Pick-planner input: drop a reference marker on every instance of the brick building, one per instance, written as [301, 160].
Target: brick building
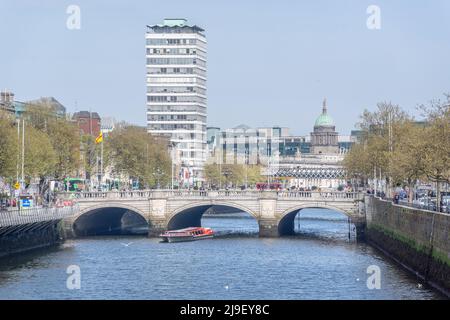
[88, 122]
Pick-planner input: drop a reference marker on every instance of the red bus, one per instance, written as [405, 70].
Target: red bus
[268, 186]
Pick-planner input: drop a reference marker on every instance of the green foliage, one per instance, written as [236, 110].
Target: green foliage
[8, 146]
[401, 150]
[90, 151]
[232, 174]
[63, 135]
[65, 138]
[40, 157]
[135, 153]
[212, 174]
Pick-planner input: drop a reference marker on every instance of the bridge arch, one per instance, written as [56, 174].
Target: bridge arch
[190, 215]
[108, 219]
[286, 220]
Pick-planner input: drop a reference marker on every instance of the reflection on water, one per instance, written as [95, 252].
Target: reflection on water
[318, 263]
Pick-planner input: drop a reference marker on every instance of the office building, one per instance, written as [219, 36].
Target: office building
[176, 92]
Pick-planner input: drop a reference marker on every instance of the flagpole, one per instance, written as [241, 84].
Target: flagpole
[98, 140]
[101, 164]
[18, 149]
[23, 150]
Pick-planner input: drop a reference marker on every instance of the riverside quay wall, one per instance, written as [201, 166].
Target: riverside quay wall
[29, 229]
[417, 239]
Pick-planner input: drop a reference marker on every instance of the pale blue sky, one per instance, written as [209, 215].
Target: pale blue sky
[269, 62]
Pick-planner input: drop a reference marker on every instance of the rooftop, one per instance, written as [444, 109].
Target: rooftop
[174, 22]
[86, 114]
[174, 25]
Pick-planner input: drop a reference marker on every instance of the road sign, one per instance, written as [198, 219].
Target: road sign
[17, 186]
[26, 203]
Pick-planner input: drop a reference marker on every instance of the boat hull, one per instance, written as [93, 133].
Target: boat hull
[185, 238]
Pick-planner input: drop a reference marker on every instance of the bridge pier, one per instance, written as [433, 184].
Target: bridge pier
[268, 228]
[67, 228]
[156, 227]
[360, 230]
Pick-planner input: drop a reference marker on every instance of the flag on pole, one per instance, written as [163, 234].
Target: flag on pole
[99, 139]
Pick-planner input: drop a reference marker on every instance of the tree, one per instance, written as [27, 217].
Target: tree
[254, 175]
[40, 157]
[401, 150]
[64, 137]
[382, 129]
[89, 154]
[436, 150]
[8, 147]
[132, 151]
[234, 174]
[357, 163]
[212, 174]
[408, 157]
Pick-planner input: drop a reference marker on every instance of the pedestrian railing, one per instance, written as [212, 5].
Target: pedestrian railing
[196, 194]
[320, 195]
[104, 195]
[426, 206]
[33, 215]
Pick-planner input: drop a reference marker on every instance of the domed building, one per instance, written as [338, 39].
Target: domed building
[324, 138]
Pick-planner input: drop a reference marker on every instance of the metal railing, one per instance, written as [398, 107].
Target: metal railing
[32, 215]
[426, 206]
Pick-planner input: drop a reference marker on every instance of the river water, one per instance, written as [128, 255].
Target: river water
[319, 263]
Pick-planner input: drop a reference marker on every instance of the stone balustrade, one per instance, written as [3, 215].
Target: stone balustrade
[33, 215]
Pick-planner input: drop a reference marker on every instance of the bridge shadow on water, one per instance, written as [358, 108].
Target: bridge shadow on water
[110, 221]
[323, 224]
[227, 222]
[306, 224]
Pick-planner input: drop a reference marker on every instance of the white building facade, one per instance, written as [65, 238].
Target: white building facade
[176, 93]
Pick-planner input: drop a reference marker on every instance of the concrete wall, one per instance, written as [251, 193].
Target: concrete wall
[418, 239]
[29, 237]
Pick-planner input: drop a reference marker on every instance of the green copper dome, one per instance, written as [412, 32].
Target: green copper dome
[324, 119]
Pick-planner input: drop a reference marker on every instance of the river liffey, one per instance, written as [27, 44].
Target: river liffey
[319, 263]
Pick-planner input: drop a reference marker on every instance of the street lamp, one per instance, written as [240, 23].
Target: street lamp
[173, 153]
[246, 152]
[157, 175]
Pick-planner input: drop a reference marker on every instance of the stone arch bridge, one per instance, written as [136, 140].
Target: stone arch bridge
[171, 209]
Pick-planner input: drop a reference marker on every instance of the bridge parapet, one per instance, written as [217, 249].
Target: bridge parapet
[33, 215]
[204, 194]
[319, 195]
[136, 194]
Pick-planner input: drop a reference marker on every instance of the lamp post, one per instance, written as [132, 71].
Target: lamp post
[173, 153]
[18, 150]
[23, 150]
[157, 175]
[246, 167]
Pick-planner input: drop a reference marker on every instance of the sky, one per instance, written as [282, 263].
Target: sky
[269, 62]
